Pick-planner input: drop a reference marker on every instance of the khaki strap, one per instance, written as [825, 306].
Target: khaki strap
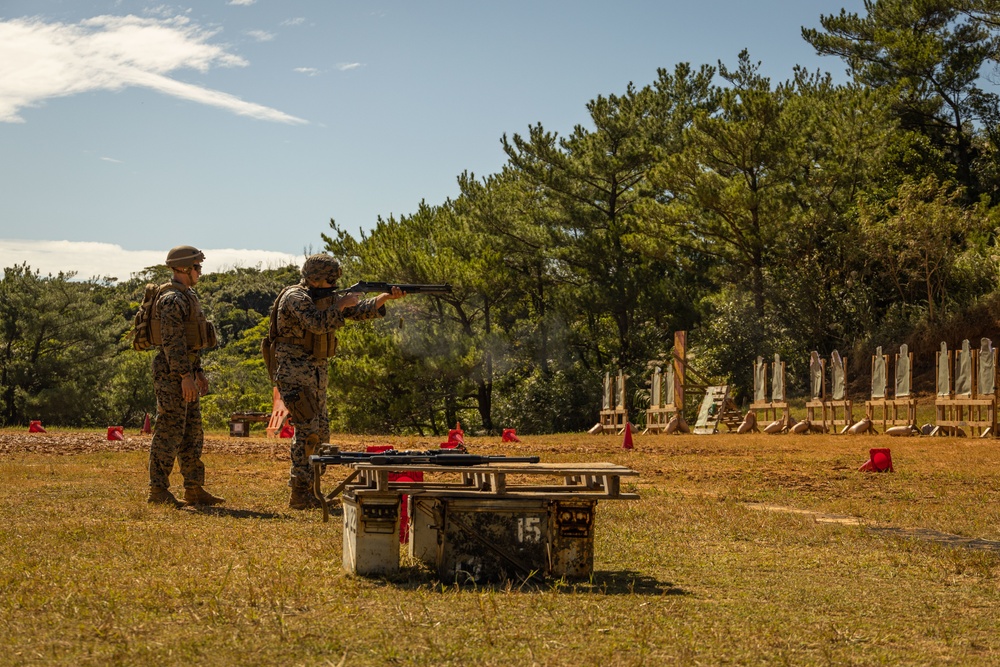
[290, 339]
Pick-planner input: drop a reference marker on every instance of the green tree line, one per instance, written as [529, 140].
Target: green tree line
[760, 216]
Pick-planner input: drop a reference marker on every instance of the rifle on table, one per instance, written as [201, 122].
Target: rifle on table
[409, 288]
[331, 456]
[406, 458]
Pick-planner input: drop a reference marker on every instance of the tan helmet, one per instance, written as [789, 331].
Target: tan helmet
[183, 256]
[321, 267]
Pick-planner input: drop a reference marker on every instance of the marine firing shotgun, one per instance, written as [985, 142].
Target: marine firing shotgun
[409, 288]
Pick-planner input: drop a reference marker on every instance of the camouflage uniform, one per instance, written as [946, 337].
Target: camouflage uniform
[302, 377]
[178, 431]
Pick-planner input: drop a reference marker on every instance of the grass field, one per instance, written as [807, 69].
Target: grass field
[743, 550]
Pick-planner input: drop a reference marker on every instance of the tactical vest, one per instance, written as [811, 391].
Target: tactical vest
[199, 333]
[322, 346]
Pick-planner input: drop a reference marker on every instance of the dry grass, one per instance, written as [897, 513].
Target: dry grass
[691, 574]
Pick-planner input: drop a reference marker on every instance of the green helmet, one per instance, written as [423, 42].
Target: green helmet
[183, 256]
[321, 267]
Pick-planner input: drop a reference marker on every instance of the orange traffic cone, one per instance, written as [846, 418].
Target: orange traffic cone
[456, 438]
[879, 460]
[116, 433]
[145, 425]
[35, 427]
[627, 443]
[287, 431]
[509, 435]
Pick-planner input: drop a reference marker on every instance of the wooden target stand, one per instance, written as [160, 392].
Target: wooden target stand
[970, 410]
[896, 411]
[661, 410]
[832, 412]
[667, 398]
[770, 409]
[614, 414]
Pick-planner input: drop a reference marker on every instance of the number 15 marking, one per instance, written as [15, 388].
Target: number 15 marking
[529, 529]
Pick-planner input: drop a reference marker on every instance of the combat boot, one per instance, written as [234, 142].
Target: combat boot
[303, 499]
[161, 496]
[196, 495]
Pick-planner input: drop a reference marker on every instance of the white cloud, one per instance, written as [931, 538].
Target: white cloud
[111, 159]
[308, 71]
[94, 260]
[39, 61]
[242, 3]
[345, 67]
[298, 20]
[261, 35]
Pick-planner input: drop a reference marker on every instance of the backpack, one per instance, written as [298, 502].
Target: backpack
[199, 333]
[268, 342]
[142, 335]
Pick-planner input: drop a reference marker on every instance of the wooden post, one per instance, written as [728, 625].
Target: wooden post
[680, 374]
[680, 368]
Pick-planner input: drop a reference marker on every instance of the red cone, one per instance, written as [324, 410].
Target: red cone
[145, 425]
[627, 444]
[509, 435]
[116, 433]
[880, 460]
[35, 427]
[287, 431]
[457, 435]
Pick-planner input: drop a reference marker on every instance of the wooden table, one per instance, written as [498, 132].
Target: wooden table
[239, 422]
[479, 523]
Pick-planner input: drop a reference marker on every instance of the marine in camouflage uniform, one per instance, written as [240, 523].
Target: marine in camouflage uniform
[178, 381]
[307, 319]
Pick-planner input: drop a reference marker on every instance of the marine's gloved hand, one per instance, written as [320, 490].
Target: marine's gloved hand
[347, 301]
[202, 382]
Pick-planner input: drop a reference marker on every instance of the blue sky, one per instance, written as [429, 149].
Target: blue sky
[243, 126]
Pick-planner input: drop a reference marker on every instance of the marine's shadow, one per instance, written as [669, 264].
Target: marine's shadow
[618, 582]
[627, 582]
[234, 513]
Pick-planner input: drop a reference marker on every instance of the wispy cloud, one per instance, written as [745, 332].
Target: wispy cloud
[98, 260]
[308, 71]
[111, 159]
[261, 35]
[298, 20]
[40, 60]
[242, 3]
[346, 67]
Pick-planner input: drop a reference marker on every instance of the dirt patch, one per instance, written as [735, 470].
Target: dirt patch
[69, 443]
[926, 534]
[818, 516]
[65, 444]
